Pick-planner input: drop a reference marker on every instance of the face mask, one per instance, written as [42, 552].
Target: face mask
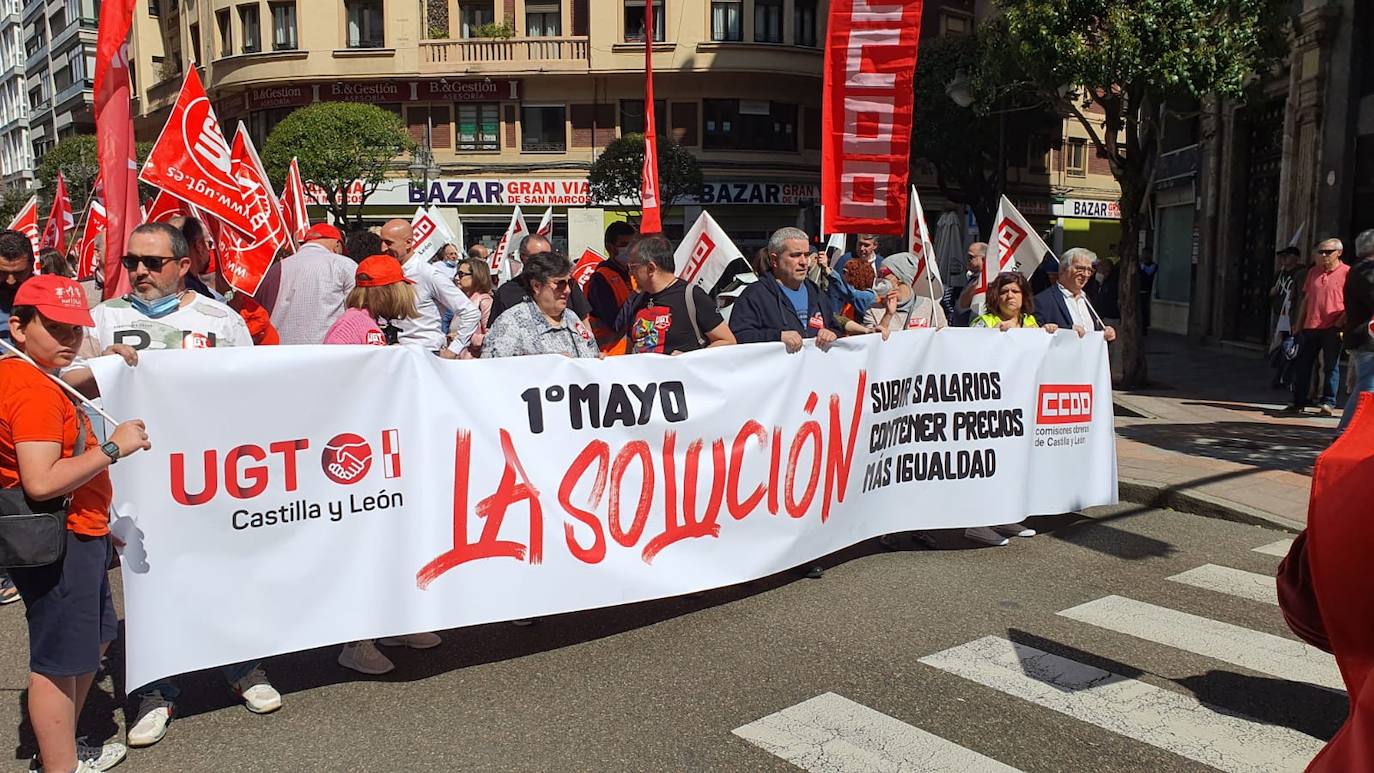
[451, 263]
[1101, 277]
[155, 309]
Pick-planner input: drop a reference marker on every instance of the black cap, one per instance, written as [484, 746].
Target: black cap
[1289, 251]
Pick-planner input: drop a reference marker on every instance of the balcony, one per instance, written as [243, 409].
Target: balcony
[78, 90]
[504, 56]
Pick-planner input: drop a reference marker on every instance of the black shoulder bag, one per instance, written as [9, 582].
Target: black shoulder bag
[34, 533]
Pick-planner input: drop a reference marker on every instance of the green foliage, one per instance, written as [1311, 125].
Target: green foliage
[76, 157]
[11, 202]
[503, 30]
[336, 143]
[616, 174]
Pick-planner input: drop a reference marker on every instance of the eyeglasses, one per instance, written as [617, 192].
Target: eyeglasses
[150, 262]
[465, 273]
[558, 285]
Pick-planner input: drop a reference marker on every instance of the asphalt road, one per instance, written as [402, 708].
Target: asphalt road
[664, 685]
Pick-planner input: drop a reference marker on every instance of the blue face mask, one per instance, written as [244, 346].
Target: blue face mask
[155, 309]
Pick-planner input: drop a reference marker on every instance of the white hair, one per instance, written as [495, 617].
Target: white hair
[1072, 254]
[776, 242]
[1335, 243]
[1364, 244]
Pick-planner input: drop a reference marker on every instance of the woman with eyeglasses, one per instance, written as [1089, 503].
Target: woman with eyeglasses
[1010, 304]
[474, 279]
[543, 324]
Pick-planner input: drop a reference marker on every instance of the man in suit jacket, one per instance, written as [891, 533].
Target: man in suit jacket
[1064, 304]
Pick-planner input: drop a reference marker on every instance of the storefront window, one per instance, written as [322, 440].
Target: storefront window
[745, 124]
[543, 129]
[479, 127]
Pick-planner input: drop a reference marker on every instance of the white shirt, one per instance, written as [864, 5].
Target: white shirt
[313, 286]
[432, 290]
[1078, 308]
[201, 324]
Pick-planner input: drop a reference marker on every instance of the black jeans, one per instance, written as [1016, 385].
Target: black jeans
[1311, 343]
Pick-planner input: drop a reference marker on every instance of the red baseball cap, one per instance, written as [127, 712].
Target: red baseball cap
[323, 231]
[379, 271]
[57, 298]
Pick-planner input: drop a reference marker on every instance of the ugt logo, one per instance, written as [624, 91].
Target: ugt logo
[347, 457]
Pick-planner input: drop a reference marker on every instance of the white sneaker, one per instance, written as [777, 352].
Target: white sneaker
[365, 658]
[90, 758]
[415, 641]
[1014, 530]
[259, 696]
[154, 716]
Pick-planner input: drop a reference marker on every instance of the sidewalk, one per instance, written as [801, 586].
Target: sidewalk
[1208, 436]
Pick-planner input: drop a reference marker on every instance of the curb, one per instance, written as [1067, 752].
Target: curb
[1152, 494]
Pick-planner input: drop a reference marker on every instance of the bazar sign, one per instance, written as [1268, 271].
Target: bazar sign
[459, 90]
[1089, 208]
[548, 192]
[789, 194]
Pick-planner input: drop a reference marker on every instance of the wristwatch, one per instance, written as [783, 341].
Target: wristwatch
[111, 450]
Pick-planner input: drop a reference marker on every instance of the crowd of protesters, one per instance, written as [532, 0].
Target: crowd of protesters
[374, 289]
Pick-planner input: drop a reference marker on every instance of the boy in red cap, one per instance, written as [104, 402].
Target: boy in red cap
[48, 449]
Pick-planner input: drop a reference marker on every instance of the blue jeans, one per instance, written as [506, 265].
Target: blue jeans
[1325, 342]
[169, 690]
[1363, 363]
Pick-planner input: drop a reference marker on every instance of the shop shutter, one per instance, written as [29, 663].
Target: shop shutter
[510, 126]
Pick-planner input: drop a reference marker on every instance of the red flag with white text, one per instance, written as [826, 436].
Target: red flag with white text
[585, 267]
[651, 217]
[192, 161]
[114, 131]
[245, 257]
[26, 222]
[60, 218]
[870, 61]
[85, 248]
[293, 202]
[264, 210]
[165, 207]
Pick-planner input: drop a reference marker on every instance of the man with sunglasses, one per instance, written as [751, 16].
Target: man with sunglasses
[161, 313]
[1317, 322]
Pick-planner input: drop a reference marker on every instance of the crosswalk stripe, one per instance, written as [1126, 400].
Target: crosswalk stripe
[833, 734]
[1255, 650]
[1168, 720]
[1279, 548]
[1224, 579]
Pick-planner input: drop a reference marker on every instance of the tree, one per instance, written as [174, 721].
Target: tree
[962, 142]
[76, 158]
[337, 144]
[616, 174]
[1131, 59]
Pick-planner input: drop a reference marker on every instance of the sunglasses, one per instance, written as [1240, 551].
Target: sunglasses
[150, 262]
[1327, 252]
[558, 285]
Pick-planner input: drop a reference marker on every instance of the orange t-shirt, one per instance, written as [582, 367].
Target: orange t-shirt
[32, 409]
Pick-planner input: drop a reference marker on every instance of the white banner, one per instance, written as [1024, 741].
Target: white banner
[539, 485]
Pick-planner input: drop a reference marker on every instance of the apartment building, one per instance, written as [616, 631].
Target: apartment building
[59, 42]
[16, 155]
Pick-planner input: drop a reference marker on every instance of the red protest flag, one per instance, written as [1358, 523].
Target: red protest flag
[866, 107]
[586, 266]
[60, 219]
[242, 259]
[165, 207]
[114, 130]
[85, 249]
[192, 161]
[26, 222]
[293, 202]
[651, 218]
[264, 210]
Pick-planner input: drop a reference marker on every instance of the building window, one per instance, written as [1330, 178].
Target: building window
[747, 124]
[283, 26]
[195, 41]
[543, 20]
[365, 27]
[632, 116]
[634, 21]
[1075, 161]
[252, 28]
[955, 24]
[474, 14]
[804, 23]
[767, 21]
[152, 8]
[479, 127]
[226, 33]
[727, 17]
[543, 129]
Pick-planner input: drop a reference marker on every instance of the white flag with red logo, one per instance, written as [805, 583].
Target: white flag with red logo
[585, 267]
[1014, 246]
[85, 250]
[508, 248]
[429, 233]
[704, 253]
[545, 228]
[919, 243]
[26, 222]
[164, 208]
[60, 218]
[192, 161]
[293, 202]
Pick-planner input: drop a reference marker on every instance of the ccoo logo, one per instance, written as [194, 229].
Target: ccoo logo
[346, 458]
[1064, 404]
